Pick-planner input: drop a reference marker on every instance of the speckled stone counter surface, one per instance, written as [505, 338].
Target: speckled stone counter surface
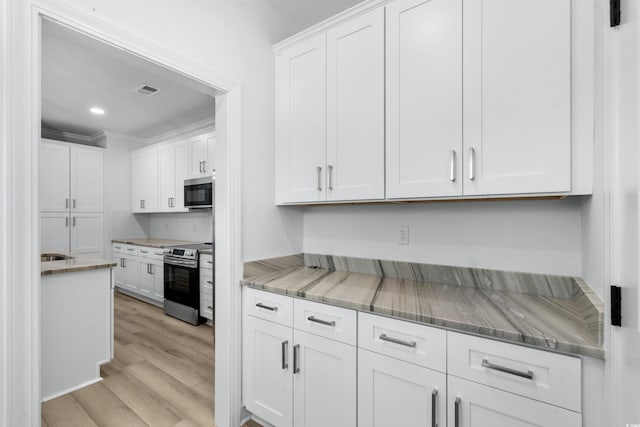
[552, 312]
[206, 251]
[155, 243]
[74, 264]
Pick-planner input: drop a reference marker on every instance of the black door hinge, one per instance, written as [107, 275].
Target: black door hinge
[614, 13]
[616, 306]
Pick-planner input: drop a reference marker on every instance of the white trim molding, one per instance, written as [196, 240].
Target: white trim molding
[19, 220]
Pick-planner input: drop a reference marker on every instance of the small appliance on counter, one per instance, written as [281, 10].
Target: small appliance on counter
[182, 282]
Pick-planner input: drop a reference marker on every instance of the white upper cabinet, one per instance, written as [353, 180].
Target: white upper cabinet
[144, 176]
[202, 154]
[355, 109]
[87, 179]
[517, 88]
[424, 98]
[55, 173]
[173, 164]
[301, 121]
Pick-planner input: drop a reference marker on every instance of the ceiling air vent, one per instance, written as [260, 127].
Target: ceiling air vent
[147, 90]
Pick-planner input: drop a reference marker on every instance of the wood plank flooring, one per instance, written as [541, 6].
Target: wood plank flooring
[162, 375]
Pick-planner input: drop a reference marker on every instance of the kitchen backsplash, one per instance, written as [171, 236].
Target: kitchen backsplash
[196, 226]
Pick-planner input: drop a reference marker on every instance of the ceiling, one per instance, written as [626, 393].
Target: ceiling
[305, 13]
[80, 72]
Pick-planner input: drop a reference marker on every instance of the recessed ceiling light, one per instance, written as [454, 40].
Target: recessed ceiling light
[97, 111]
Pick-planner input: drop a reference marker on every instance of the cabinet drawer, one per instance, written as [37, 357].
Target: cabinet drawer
[118, 248]
[541, 375]
[206, 281]
[268, 306]
[419, 344]
[336, 323]
[206, 261]
[206, 305]
[130, 250]
[151, 253]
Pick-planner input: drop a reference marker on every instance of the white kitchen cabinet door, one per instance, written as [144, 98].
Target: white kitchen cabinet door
[267, 369]
[131, 273]
[144, 167]
[199, 156]
[146, 283]
[324, 382]
[54, 176]
[156, 270]
[181, 173]
[517, 86]
[355, 109]
[394, 393]
[301, 123]
[54, 232]
[476, 405]
[166, 178]
[424, 98]
[87, 234]
[87, 179]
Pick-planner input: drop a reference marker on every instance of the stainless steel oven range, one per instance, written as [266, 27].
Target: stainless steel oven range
[182, 282]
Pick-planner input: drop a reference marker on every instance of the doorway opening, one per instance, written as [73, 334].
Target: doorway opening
[121, 139]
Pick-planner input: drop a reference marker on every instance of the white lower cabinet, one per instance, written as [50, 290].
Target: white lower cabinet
[309, 370]
[324, 382]
[477, 405]
[140, 270]
[267, 383]
[393, 392]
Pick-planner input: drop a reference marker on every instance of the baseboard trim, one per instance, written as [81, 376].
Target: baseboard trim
[70, 390]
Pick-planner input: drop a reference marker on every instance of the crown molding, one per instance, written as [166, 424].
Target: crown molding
[203, 125]
[96, 140]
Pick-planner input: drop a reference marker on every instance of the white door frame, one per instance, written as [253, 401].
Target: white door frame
[19, 206]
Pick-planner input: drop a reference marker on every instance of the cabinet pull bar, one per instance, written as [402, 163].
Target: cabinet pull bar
[285, 350]
[457, 411]
[472, 164]
[124, 263]
[210, 307]
[330, 187]
[452, 167]
[296, 356]
[322, 322]
[209, 262]
[74, 203]
[266, 307]
[66, 221]
[151, 269]
[384, 337]
[528, 374]
[66, 203]
[74, 221]
[210, 282]
[434, 401]
[319, 178]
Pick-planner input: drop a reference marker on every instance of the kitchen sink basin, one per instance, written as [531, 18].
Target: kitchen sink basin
[53, 257]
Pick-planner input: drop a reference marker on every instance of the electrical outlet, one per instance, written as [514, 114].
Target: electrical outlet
[403, 235]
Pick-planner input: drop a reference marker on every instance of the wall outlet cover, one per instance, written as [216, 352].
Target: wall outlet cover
[403, 235]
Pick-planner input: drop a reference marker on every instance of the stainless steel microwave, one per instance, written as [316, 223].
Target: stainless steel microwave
[198, 193]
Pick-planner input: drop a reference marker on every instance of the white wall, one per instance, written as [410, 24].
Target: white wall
[537, 236]
[121, 223]
[235, 38]
[194, 226]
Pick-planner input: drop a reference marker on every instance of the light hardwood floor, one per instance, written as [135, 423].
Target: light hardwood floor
[162, 375]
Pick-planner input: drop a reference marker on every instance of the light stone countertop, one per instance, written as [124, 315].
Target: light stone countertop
[549, 322]
[155, 243]
[74, 264]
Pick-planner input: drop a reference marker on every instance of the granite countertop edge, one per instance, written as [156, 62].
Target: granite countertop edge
[72, 265]
[154, 243]
[538, 342]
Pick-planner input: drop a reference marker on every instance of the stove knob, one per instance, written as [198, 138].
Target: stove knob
[189, 253]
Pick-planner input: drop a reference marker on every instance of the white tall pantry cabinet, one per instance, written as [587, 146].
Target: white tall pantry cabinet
[72, 186]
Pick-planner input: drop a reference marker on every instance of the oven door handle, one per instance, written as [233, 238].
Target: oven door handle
[182, 263]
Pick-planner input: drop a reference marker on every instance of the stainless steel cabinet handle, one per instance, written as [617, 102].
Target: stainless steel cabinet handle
[472, 164]
[266, 307]
[452, 167]
[74, 203]
[210, 282]
[129, 249]
[74, 221]
[331, 177]
[384, 337]
[319, 178]
[296, 356]
[124, 263]
[210, 307]
[66, 221]
[169, 202]
[209, 262]
[121, 262]
[143, 252]
[204, 166]
[457, 412]
[66, 203]
[434, 405]
[151, 269]
[148, 270]
[285, 351]
[322, 322]
[528, 374]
